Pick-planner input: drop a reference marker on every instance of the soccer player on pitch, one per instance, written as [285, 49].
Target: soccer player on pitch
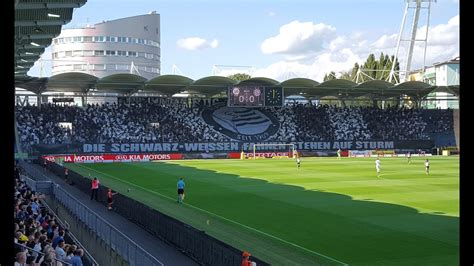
[339, 154]
[427, 167]
[298, 162]
[377, 166]
[409, 157]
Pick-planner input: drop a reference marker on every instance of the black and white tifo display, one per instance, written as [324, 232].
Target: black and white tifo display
[240, 123]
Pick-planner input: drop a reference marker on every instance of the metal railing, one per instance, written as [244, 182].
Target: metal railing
[72, 236]
[123, 245]
[41, 253]
[34, 184]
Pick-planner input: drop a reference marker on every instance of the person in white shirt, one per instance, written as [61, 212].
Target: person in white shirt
[377, 166]
[427, 167]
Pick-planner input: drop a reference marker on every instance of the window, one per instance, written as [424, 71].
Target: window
[99, 52]
[87, 38]
[68, 53]
[99, 38]
[88, 53]
[99, 67]
[77, 67]
[77, 53]
[107, 38]
[78, 39]
[122, 53]
[141, 54]
[130, 53]
[110, 52]
[122, 67]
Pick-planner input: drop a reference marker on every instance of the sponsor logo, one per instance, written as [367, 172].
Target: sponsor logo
[244, 124]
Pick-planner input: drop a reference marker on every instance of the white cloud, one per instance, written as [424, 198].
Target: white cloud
[386, 41]
[342, 60]
[340, 53]
[299, 37]
[196, 43]
[271, 14]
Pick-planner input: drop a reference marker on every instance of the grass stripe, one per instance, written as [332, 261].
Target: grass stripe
[220, 217]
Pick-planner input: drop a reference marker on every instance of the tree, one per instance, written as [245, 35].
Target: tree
[239, 76]
[346, 75]
[330, 76]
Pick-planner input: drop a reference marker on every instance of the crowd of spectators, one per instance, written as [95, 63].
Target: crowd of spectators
[37, 229]
[157, 122]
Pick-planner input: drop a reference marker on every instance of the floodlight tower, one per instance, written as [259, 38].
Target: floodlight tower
[416, 6]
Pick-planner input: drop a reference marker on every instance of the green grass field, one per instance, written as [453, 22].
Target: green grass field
[330, 211]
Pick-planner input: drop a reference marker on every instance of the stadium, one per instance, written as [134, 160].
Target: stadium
[292, 172]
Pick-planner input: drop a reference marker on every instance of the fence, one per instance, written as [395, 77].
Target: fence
[124, 246]
[56, 260]
[194, 243]
[46, 187]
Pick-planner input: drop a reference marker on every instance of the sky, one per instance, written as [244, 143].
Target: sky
[278, 39]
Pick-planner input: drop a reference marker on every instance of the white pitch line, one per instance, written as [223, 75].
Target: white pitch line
[216, 215]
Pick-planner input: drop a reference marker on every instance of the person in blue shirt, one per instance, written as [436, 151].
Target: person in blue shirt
[180, 190]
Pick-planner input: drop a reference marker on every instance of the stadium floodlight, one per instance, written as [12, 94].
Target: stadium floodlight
[34, 44]
[416, 6]
[23, 60]
[53, 15]
[29, 53]
[20, 66]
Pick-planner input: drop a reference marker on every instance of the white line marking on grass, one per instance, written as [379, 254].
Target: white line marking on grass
[216, 215]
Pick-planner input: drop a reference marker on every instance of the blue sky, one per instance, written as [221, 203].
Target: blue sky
[278, 38]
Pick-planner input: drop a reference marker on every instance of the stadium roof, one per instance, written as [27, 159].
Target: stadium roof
[216, 86]
[37, 22]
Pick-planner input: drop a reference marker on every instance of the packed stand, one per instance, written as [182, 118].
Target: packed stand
[37, 229]
[145, 121]
[395, 123]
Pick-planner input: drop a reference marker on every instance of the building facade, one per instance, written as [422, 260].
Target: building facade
[126, 45]
[440, 74]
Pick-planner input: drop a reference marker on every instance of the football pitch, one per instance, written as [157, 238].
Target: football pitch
[329, 211]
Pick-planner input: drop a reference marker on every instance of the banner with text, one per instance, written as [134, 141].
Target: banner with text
[179, 147]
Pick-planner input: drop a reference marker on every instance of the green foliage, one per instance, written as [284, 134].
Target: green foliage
[330, 76]
[371, 69]
[239, 76]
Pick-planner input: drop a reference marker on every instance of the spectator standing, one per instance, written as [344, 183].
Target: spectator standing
[95, 188]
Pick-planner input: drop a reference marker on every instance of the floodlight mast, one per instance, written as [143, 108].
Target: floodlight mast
[417, 8]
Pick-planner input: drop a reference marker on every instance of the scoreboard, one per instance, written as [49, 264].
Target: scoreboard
[255, 96]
